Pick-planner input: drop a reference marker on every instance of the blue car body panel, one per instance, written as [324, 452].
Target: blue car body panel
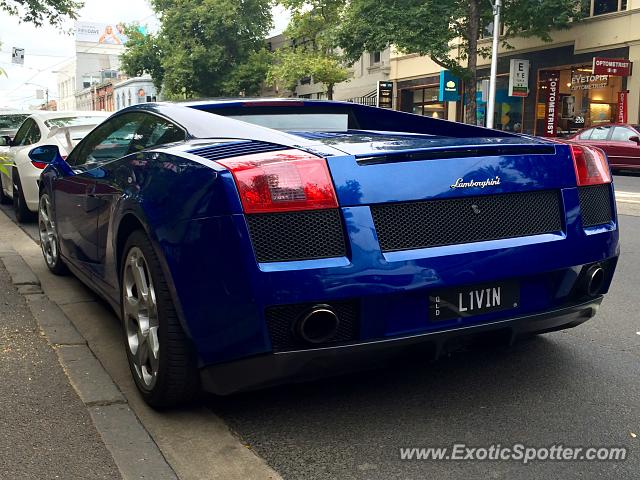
[190, 208]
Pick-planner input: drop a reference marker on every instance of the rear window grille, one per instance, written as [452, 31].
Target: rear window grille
[235, 149]
[595, 205]
[281, 322]
[279, 237]
[404, 226]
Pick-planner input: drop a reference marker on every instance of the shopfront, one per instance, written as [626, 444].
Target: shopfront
[582, 99]
[420, 96]
[564, 93]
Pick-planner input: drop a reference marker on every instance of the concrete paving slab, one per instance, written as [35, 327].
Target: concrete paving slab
[135, 454]
[53, 322]
[91, 381]
[19, 271]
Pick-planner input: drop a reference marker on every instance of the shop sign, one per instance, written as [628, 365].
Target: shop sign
[582, 81]
[449, 84]
[518, 78]
[616, 67]
[385, 94]
[622, 106]
[552, 84]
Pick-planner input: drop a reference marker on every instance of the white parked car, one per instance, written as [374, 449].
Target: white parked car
[21, 174]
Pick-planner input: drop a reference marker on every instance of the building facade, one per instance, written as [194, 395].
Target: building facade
[97, 60]
[133, 91]
[560, 73]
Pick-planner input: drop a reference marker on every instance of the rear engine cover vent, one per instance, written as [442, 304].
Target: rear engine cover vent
[236, 149]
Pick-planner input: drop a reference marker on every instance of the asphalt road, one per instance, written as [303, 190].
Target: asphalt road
[46, 430]
[627, 182]
[576, 388]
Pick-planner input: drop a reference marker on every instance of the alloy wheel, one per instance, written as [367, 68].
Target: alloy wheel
[47, 230]
[141, 318]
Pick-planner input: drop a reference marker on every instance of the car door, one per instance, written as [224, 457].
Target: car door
[154, 131]
[624, 152]
[27, 134]
[76, 203]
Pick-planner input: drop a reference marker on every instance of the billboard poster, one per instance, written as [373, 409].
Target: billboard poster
[101, 33]
[551, 84]
[518, 78]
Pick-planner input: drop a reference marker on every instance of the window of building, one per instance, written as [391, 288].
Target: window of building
[508, 113]
[375, 58]
[600, 7]
[423, 101]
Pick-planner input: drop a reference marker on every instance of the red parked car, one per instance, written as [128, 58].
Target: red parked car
[621, 143]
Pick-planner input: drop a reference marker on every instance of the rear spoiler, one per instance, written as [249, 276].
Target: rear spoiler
[72, 135]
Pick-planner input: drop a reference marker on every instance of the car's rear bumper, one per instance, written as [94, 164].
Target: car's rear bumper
[275, 368]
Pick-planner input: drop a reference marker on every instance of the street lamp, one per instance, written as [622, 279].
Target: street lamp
[491, 103]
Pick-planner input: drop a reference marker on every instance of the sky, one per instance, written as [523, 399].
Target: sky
[48, 48]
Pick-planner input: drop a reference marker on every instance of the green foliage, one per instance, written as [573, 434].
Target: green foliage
[205, 48]
[39, 12]
[313, 53]
[247, 78]
[143, 55]
[432, 27]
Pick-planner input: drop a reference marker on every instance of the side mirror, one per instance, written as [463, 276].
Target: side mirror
[635, 138]
[44, 154]
[50, 155]
[5, 141]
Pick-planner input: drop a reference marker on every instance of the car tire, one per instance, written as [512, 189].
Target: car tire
[161, 357]
[49, 241]
[23, 214]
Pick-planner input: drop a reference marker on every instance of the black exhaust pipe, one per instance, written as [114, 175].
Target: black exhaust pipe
[318, 325]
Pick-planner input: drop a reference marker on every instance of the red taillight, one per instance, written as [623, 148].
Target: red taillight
[40, 165]
[591, 165]
[282, 181]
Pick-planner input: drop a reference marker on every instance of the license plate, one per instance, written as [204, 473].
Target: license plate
[467, 301]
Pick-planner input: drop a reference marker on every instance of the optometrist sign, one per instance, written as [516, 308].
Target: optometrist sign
[615, 67]
[518, 78]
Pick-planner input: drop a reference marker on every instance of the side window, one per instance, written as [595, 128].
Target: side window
[34, 134]
[23, 135]
[110, 141]
[586, 134]
[600, 133]
[622, 134]
[157, 131]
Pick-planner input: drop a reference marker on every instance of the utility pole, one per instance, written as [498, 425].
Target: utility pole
[491, 103]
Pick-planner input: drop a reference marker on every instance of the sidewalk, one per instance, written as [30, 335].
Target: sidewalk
[45, 430]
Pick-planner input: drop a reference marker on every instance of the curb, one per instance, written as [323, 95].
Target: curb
[135, 453]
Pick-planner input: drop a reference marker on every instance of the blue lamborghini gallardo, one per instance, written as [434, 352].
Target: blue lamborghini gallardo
[246, 243]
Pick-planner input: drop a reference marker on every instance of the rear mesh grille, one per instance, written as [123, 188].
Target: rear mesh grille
[279, 237]
[281, 321]
[404, 226]
[595, 204]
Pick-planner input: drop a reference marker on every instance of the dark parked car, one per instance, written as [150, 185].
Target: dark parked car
[621, 143]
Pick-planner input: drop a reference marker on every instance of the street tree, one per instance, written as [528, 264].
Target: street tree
[204, 48]
[39, 12]
[448, 31]
[313, 51]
